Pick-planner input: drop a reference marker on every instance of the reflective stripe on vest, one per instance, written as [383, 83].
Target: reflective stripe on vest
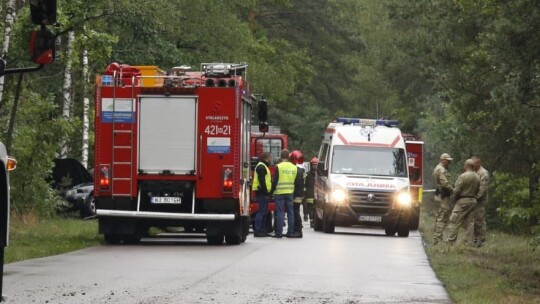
[267, 178]
[287, 175]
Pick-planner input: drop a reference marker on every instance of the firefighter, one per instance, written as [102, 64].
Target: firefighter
[296, 157]
[479, 210]
[262, 185]
[284, 183]
[465, 193]
[443, 191]
[309, 186]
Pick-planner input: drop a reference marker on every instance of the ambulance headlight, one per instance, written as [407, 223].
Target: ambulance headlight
[339, 196]
[404, 199]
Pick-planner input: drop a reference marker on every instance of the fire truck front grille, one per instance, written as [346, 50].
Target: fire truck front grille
[371, 202]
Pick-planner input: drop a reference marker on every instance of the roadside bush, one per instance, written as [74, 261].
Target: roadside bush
[511, 198]
[35, 150]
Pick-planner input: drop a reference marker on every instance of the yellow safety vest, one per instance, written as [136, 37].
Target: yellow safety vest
[287, 175]
[267, 178]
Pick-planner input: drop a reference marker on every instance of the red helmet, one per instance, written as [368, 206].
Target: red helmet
[296, 157]
[314, 161]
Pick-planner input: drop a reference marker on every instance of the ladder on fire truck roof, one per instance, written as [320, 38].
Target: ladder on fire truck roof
[119, 138]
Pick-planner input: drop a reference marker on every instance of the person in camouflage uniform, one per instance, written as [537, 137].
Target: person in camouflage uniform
[479, 210]
[443, 190]
[465, 194]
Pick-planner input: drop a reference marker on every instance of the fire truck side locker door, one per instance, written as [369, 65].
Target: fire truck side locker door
[167, 134]
[217, 126]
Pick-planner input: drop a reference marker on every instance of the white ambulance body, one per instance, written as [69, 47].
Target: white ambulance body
[363, 177]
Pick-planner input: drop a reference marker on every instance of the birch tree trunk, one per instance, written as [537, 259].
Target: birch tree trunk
[10, 20]
[86, 110]
[67, 89]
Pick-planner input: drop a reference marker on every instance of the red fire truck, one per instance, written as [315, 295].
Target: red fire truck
[173, 150]
[273, 142]
[415, 152]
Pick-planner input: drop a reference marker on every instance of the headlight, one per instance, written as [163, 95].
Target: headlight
[339, 196]
[404, 199]
[71, 192]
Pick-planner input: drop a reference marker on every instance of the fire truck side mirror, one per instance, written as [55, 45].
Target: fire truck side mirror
[43, 11]
[263, 115]
[42, 46]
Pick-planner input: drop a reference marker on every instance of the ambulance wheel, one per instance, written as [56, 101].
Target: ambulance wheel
[317, 223]
[329, 224]
[233, 239]
[214, 239]
[403, 231]
[390, 231]
[112, 238]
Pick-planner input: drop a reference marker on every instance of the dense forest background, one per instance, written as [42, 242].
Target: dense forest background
[463, 75]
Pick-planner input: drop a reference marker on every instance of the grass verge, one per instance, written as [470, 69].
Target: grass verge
[505, 270]
[31, 237]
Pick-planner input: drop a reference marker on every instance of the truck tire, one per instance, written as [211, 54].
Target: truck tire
[329, 224]
[131, 239]
[317, 223]
[233, 239]
[214, 239]
[112, 238]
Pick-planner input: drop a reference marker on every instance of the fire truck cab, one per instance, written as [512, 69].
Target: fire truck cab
[173, 150]
[363, 177]
[272, 142]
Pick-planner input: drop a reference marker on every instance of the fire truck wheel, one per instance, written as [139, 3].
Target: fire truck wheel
[112, 238]
[329, 224]
[233, 239]
[317, 222]
[268, 225]
[132, 238]
[214, 239]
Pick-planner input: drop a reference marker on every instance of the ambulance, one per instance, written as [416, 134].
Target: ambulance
[363, 177]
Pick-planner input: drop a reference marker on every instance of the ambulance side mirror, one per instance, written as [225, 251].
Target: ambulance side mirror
[321, 170]
[42, 45]
[43, 11]
[263, 115]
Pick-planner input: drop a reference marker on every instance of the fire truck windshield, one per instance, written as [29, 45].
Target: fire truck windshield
[271, 145]
[376, 161]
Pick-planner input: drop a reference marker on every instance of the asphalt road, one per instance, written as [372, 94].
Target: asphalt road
[354, 265]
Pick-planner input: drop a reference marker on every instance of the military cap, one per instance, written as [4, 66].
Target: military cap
[469, 162]
[446, 156]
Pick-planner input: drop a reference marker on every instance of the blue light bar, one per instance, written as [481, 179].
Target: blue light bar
[372, 122]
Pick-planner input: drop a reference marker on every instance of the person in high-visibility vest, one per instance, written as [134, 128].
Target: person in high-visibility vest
[309, 187]
[286, 180]
[262, 185]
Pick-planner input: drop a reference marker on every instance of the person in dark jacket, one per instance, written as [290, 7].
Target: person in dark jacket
[309, 186]
[262, 184]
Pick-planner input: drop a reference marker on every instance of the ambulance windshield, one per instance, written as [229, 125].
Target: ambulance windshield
[378, 161]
